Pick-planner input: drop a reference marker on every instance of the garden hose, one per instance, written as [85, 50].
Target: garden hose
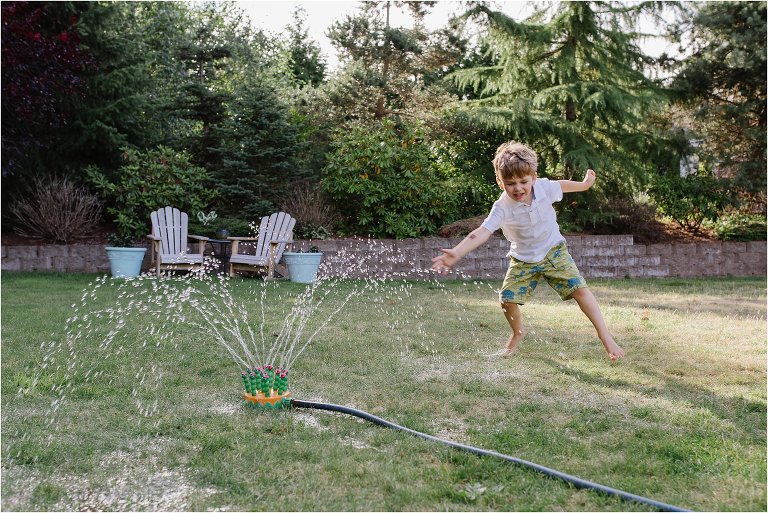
[573, 480]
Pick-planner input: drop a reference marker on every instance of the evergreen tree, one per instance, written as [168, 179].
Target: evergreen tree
[572, 86]
[385, 66]
[724, 81]
[306, 63]
[204, 55]
[125, 99]
[216, 53]
[257, 148]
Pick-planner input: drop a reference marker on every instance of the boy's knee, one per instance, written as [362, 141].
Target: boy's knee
[579, 293]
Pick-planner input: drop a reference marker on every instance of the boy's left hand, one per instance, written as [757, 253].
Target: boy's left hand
[589, 178]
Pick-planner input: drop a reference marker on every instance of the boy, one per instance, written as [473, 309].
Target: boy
[525, 214]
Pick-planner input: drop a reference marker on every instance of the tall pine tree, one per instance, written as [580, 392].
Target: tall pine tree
[306, 63]
[385, 66]
[258, 146]
[572, 86]
[723, 81]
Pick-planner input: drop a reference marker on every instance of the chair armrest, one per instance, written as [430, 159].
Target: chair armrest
[152, 237]
[280, 241]
[198, 237]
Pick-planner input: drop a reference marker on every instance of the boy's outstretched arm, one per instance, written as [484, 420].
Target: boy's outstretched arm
[450, 257]
[572, 186]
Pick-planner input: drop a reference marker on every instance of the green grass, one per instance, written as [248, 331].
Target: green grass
[154, 419]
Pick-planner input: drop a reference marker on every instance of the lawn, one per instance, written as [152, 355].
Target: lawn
[112, 400]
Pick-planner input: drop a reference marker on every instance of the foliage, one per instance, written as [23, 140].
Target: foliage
[116, 240]
[469, 192]
[150, 180]
[43, 64]
[385, 66]
[127, 96]
[738, 226]
[306, 63]
[258, 146]
[572, 86]
[384, 181]
[315, 217]
[691, 199]
[465, 153]
[203, 56]
[57, 211]
[724, 82]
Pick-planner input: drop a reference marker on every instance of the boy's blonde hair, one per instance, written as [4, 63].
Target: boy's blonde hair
[514, 160]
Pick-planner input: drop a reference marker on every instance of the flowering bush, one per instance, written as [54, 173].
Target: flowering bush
[385, 182]
[150, 180]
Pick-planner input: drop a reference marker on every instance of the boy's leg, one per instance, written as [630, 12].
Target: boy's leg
[563, 276]
[591, 309]
[512, 313]
[519, 283]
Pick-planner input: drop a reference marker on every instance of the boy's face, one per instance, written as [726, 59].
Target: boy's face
[519, 189]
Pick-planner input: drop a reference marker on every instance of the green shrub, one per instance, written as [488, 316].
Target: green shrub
[740, 227]
[692, 199]
[149, 180]
[471, 185]
[384, 181]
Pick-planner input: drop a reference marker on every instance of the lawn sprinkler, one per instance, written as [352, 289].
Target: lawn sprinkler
[266, 387]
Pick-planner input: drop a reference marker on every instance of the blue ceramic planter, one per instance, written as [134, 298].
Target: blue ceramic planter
[302, 267]
[125, 262]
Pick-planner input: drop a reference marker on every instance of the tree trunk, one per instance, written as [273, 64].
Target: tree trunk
[384, 72]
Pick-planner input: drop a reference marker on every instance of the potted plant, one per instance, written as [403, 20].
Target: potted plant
[124, 259]
[302, 267]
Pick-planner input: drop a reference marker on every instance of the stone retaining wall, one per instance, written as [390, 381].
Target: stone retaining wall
[598, 256]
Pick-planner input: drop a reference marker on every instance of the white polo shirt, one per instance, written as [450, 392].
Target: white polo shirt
[531, 230]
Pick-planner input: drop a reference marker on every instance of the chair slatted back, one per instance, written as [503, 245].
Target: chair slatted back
[171, 226]
[278, 226]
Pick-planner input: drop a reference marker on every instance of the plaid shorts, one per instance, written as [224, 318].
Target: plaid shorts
[557, 268]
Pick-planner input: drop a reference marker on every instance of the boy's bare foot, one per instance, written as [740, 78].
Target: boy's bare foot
[612, 348]
[511, 348]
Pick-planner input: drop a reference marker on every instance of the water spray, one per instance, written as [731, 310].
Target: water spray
[263, 357]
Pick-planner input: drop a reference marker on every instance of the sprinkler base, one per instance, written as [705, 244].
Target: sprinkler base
[273, 402]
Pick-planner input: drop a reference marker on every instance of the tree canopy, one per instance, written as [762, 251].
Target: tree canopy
[86, 83]
[724, 82]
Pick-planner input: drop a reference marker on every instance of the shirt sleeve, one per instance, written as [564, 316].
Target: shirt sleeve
[494, 219]
[552, 189]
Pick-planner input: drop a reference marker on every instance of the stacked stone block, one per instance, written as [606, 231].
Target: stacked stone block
[598, 256]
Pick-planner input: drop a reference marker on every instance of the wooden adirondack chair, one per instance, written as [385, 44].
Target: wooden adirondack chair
[275, 234]
[169, 241]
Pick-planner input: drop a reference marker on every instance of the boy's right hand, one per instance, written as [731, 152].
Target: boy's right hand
[448, 259]
[589, 178]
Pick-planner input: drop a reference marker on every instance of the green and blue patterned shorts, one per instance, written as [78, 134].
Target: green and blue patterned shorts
[557, 268]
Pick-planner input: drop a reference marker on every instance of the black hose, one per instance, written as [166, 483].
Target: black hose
[575, 481]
